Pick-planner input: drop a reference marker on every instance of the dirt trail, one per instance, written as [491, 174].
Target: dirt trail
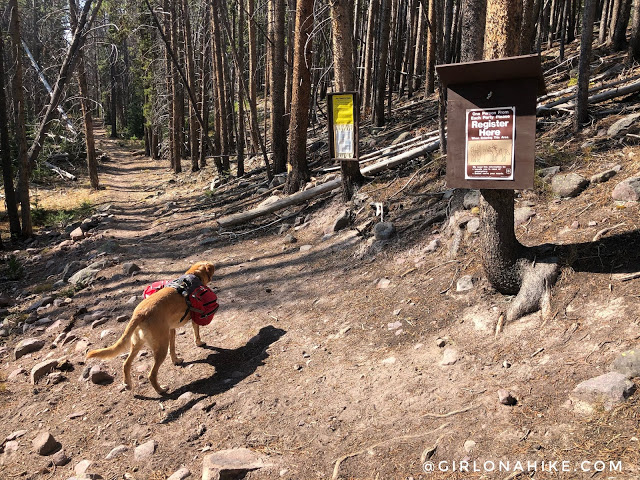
[322, 359]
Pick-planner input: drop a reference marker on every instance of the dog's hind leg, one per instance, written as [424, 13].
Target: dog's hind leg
[136, 345]
[172, 348]
[196, 334]
[159, 354]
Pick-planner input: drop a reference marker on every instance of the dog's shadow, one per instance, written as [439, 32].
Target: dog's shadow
[231, 367]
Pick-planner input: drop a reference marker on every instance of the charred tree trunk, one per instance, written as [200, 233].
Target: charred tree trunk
[5, 152]
[241, 136]
[619, 38]
[342, 26]
[367, 75]
[276, 85]
[299, 174]
[431, 46]
[21, 132]
[634, 43]
[586, 39]
[381, 79]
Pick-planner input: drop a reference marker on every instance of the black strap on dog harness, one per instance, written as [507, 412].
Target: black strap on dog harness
[185, 285]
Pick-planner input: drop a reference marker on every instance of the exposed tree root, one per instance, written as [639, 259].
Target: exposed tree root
[535, 290]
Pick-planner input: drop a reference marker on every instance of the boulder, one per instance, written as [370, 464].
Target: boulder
[44, 444]
[628, 363]
[627, 191]
[236, 461]
[611, 389]
[568, 184]
[41, 369]
[26, 346]
[384, 230]
[606, 175]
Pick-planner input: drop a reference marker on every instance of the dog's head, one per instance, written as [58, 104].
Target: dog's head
[202, 270]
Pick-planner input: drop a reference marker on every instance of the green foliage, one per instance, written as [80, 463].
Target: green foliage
[572, 82]
[14, 269]
[60, 218]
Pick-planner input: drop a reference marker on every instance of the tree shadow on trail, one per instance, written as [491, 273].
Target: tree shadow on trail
[618, 253]
[232, 366]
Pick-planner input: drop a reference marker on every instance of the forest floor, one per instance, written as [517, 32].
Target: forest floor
[334, 356]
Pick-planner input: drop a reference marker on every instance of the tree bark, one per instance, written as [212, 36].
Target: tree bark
[24, 167]
[342, 26]
[5, 152]
[277, 87]
[474, 14]
[619, 38]
[381, 79]
[194, 136]
[92, 162]
[241, 136]
[297, 159]
[431, 46]
[586, 39]
[66, 70]
[634, 43]
[367, 75]
[205, 62]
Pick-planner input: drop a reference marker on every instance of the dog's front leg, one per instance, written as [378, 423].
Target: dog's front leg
[196, 334]
[172, 348]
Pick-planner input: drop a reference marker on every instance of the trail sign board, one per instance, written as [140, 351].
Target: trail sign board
[491, 121]
[343, 125]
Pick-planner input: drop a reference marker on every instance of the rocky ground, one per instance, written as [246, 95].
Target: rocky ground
[343, 348]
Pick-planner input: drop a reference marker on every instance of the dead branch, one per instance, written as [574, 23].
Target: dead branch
[61, 172]
[604, 231]
[300, 197]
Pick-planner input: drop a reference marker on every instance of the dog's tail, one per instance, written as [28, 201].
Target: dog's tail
[121, 345]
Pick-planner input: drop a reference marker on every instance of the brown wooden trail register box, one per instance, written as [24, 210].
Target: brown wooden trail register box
[491, 121]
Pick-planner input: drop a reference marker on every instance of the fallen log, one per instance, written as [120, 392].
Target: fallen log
[301, 197]
[568, 103]
[61, 172]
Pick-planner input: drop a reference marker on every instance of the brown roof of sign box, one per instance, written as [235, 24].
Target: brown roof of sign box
[509, 68]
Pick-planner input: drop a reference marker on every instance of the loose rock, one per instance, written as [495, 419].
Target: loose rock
[506, 398]
[449, 357]
[129, 268]
[606, 175]
[26, 346]
[628, 363]
[146, 450]
[568, 184]
[627, 191]
[237, 460]
[44, 444]
[611, 388]
[99, 376]
[180, 474]
[464, 284]
[384, 230]
[116, 452]
[41, 369]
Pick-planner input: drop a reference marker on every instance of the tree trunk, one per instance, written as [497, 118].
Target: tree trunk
[24, 168]
[176, 96]
[431, 46]
[253, 68]
[221, 103]
[586, 39]
[5, 151]
[367, 75]
[194, 136]
[299, 174]
[411, 45]
[604, 21]
[473, 23]
[341, 25]
[292, 5]
[92, 162]
[113, 104]
[619, 39]
[241, 137]
[383, 50]
[66, 70]
[634, 43]
[276, 85]
[205, 62]
[613, 19]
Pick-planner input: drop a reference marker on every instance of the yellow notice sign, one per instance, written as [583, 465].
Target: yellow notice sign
[343, 110]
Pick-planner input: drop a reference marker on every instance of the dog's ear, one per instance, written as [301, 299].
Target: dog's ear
[209, 269]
